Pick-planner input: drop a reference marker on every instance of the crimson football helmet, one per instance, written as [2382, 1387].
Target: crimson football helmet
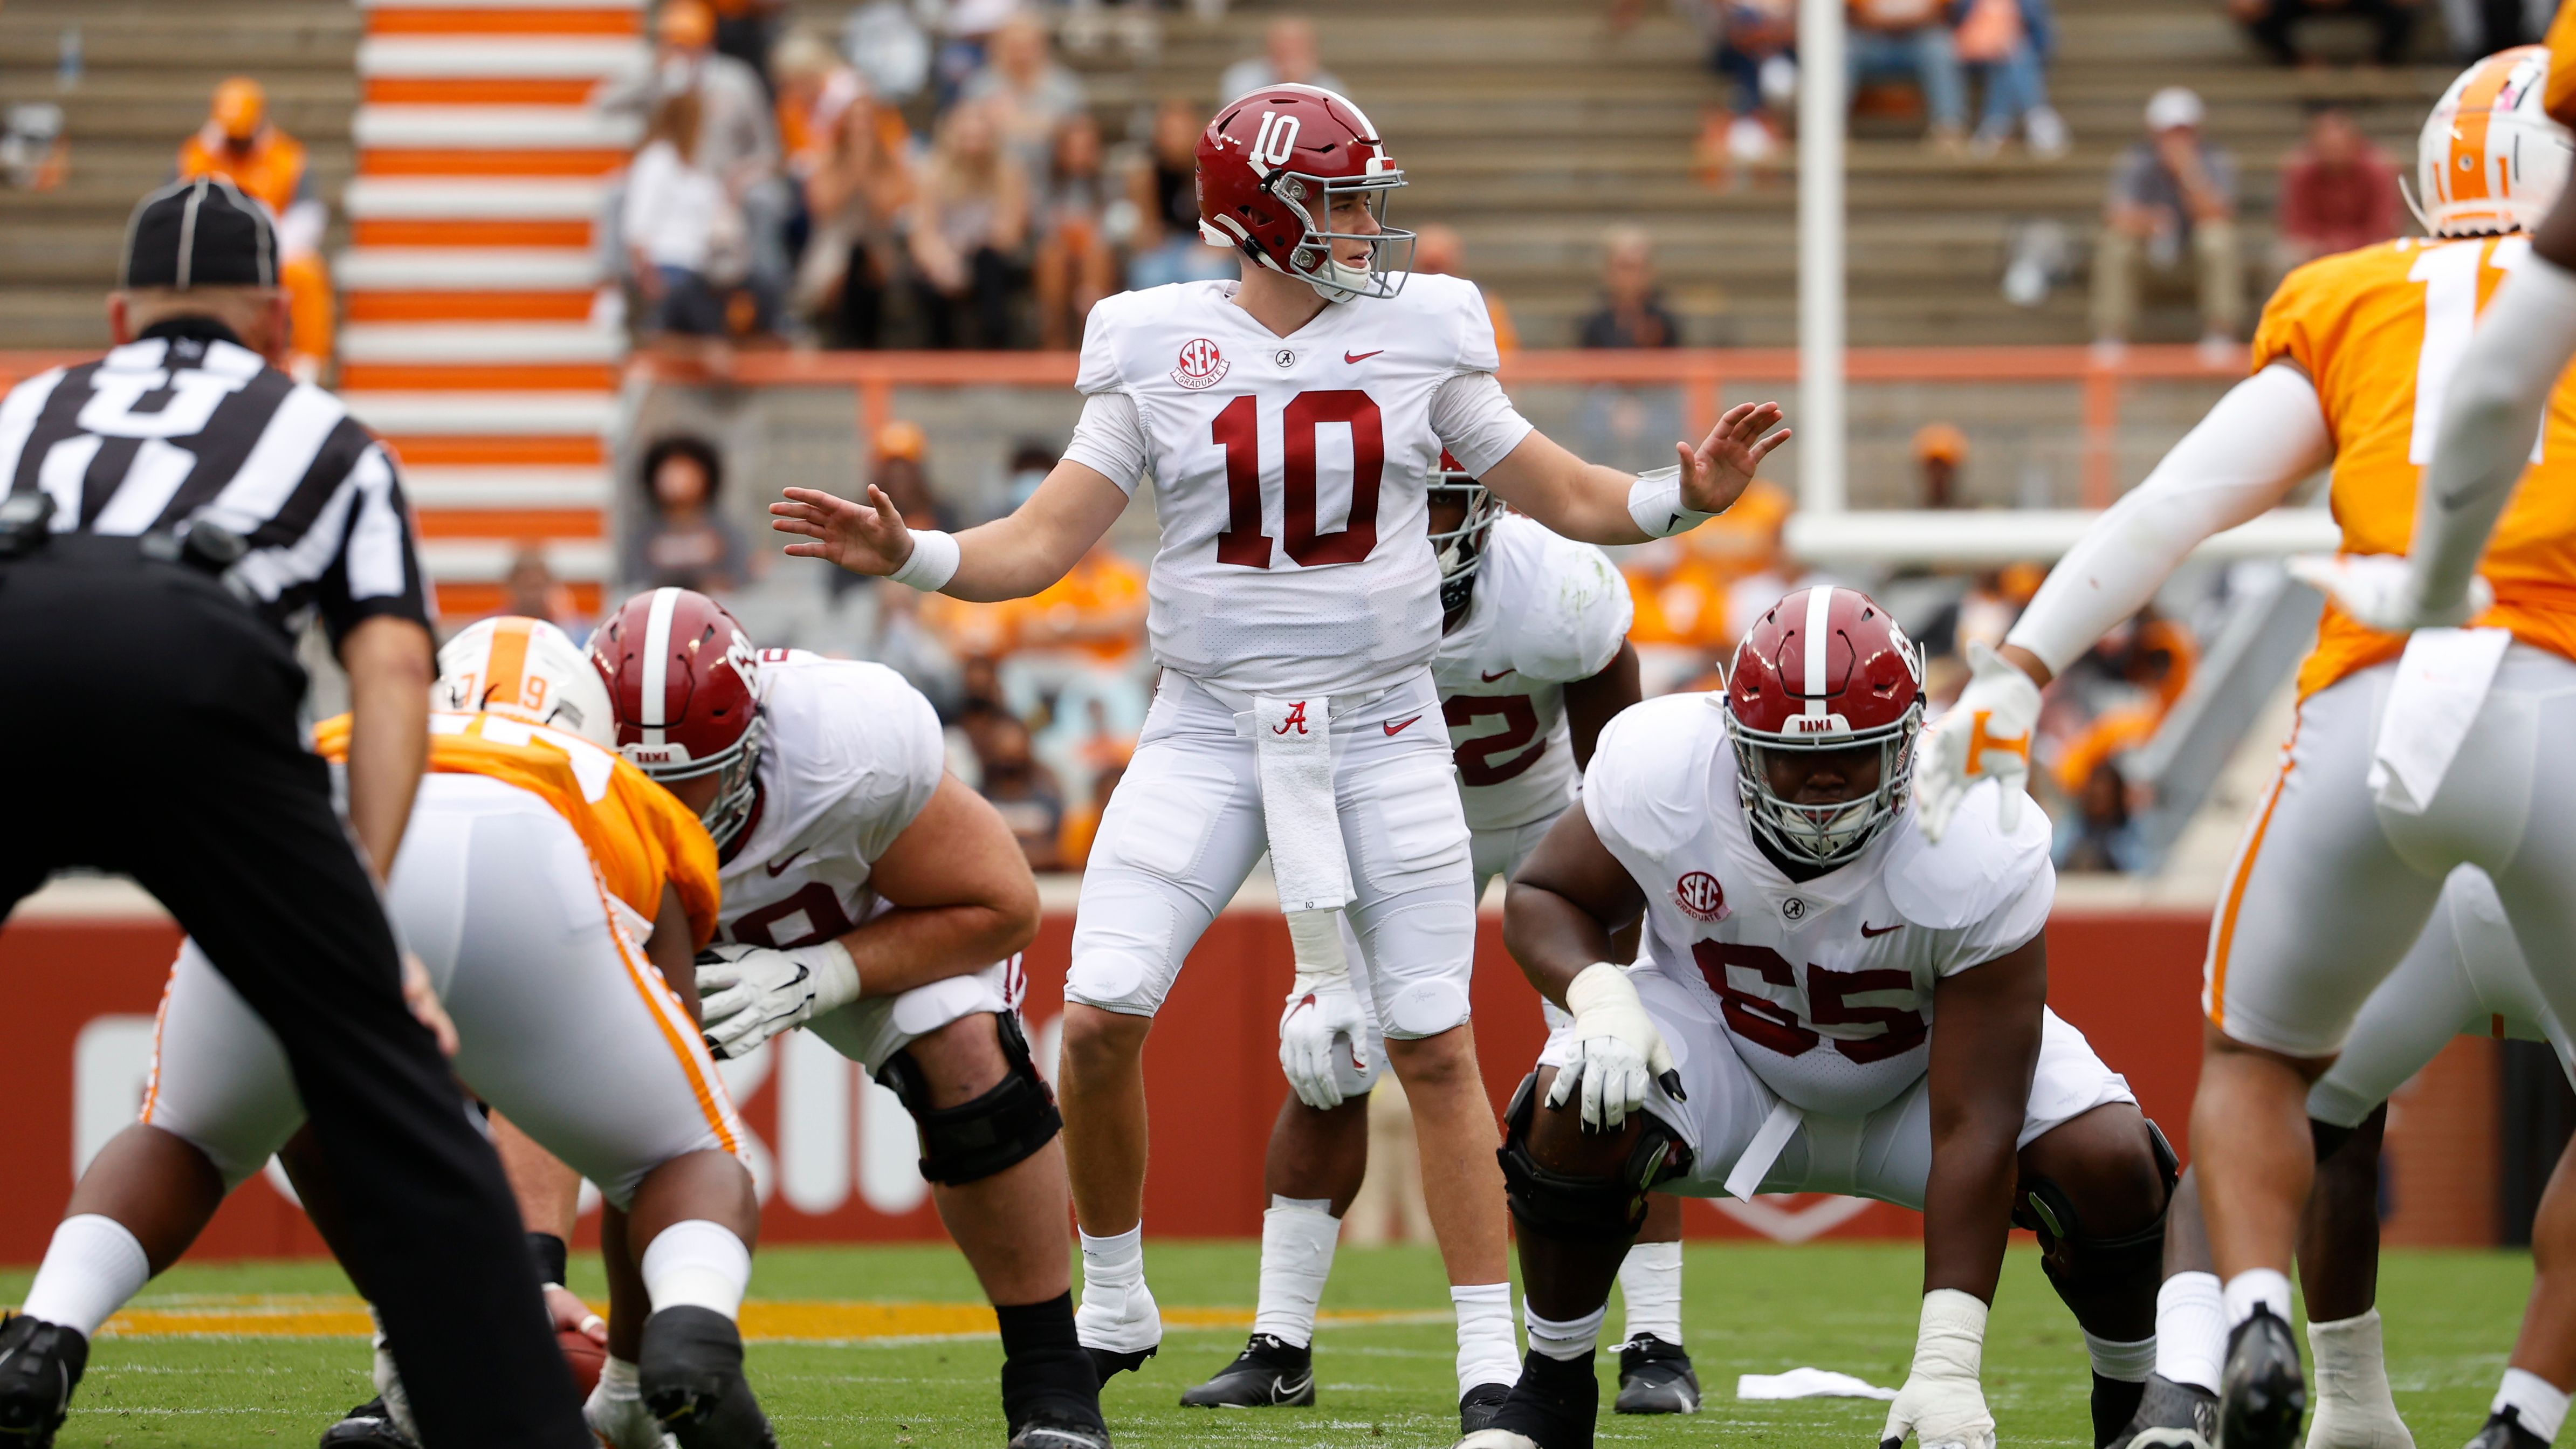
[1271, 165]
[1824, 669]
[685, 683]
[1461, 550]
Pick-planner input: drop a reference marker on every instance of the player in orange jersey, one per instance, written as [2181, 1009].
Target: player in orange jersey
[240, 141]
[2393, 776]
[536, 862]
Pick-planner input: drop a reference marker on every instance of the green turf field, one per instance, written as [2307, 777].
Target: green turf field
[1760, 1309]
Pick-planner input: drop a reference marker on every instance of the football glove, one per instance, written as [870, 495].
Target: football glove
[748, 994]
[1942, 1405]
[2377, 590]
[1321, 1021]
[1617, 1050]
[1986, 735]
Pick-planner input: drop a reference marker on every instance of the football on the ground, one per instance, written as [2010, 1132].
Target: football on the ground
[584, 1357]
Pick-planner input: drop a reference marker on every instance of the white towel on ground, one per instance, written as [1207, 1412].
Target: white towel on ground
[1292, 741]
[2441, 682]
[1808, 1383]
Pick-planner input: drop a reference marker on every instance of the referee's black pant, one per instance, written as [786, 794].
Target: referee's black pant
[149, 723]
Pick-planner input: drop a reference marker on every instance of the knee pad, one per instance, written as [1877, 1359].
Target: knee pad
[976, 1139]
[1579, 1209]
[2048, 1210]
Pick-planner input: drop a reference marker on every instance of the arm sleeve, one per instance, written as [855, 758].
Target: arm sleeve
[2262, 438]
[1475, 421]
[1110, 439]
[2494, 409]
[903, 780]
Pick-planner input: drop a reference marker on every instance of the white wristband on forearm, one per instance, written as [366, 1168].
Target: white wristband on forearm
[933, 562]
[1951, 1341]
[1655, 502]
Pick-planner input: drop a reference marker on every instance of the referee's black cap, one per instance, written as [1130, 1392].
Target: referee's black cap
[201, 232]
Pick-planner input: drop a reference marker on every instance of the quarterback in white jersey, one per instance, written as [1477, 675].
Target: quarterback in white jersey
[1291, 422]
[875, 899]
[1778, 1032]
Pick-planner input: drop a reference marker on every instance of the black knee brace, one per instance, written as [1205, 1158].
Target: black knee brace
[1575, 1209]
[2046, 1209]
[973, 1140]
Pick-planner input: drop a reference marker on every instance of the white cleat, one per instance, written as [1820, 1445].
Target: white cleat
[1118, 1324]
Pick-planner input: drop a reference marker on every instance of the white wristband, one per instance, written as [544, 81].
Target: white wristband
[1655, 502]
[836, 976]
[933, 561]
[1950, 1342]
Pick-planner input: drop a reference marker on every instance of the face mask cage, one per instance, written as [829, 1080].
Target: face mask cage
[1390, 255]
[1831, 832]
[735, 789]
[1461, 550]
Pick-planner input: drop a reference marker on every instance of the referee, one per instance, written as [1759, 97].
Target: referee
[169, 515]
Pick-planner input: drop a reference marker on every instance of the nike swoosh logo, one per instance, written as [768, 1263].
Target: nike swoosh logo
[1867, 929]
[779, 866]
[1284, 1388]
[1490, 678]
[1398, 728]
[1360, 356]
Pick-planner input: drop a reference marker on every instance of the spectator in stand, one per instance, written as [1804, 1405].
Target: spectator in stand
[2338, 192]
[815, 88]
[968, 227]
[2172, 212]
[1939, 450]
[684, 542]
[1755, 51]
[1024, 791]
[966, 30]
[746, 30]
[2007, 43]
[1164, 189]
[848, 153]
[240, 141]
[1027, 92]
[683, 235]
[2099, 835]
[1911, 38]
[2273, 24]
[737, 139]
[1289, 56]
[1632, 311]
[903, 471]
[531, 590]
[1440, 251]
[1076, 263]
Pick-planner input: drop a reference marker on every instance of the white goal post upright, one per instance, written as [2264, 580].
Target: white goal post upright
[1819, 421]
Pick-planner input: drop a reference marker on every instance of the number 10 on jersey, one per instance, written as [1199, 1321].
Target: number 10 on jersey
[1237, 429]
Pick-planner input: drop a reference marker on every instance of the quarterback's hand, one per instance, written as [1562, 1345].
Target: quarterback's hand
[1985, 735]
[1715, 473]
[571, 1315]
[426, 1008]
[748, 994]
[1617, 1050]
[1942, 1404]
[867, 537]
[1322, 1014]
[2378, 591]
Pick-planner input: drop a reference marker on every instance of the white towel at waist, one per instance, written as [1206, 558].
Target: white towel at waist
[2441, 682]
[1292, 743]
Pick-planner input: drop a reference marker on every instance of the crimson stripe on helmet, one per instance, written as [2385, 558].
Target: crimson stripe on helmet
[651, 711]
[1820, 608]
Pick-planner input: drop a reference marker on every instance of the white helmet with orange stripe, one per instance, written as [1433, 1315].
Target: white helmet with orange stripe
[2491, 161]
[527, 669]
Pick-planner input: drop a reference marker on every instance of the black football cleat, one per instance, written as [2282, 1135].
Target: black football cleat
[1655, 1377]
[1552, 1407]
[2262, 1393]
[368, 1426]
[1478, 1406]
[2170, 1416]
[690, 1374]
[1107, 1361]
[1056, 1429]
[1270, 1373]
[40, 1365]
[2504, 1430]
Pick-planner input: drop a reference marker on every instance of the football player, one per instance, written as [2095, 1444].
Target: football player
[1824, 1001]
[1291, 421]
[874, 899]
[535, 862]
[1533, 661]
[2392, 777]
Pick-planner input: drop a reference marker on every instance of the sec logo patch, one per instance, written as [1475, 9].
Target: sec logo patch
[1701, 897]
[1201, 365]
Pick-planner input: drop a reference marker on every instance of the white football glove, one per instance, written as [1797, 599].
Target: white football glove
[1942, 1405]
[616, 1412]
[1986, 735]
[1617, 1050]
[748, 994]
[1321, 1021]
[2377, 590]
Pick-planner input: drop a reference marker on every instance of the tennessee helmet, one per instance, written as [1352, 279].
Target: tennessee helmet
[685, 684]
[1824, 669]
[529, 670]
[1461, 550]
[2490, 160]
[1271, 165]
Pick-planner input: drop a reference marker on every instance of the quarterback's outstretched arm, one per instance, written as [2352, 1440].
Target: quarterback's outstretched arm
[1596, 504]
[1008, 558]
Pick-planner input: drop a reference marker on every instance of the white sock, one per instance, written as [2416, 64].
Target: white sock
[2541, 1405]
[2349, 1390]
[1487, 1352]
[2191, 1330]
[698, 1263]
[2253, 1288]
[1117, 1311]
[1297, 1239]
[1115, 1260]
[92, 1266]
[2130, 1363]
[1567, 1341]
[1650, 1285]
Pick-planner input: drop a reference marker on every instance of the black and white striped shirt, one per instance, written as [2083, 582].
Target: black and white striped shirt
[173, 428]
